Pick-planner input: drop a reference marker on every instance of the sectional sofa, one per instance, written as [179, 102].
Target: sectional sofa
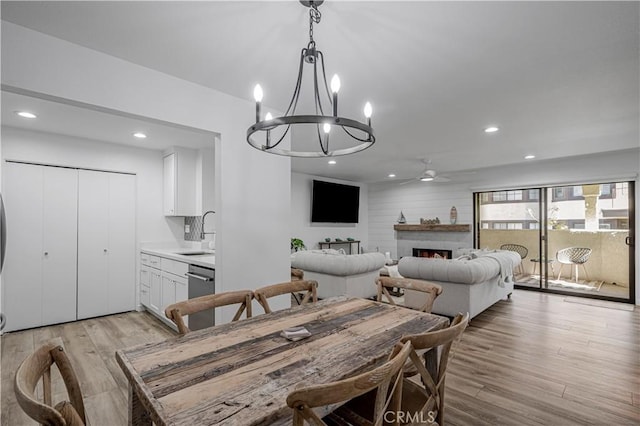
[470, 283]
[338, 273]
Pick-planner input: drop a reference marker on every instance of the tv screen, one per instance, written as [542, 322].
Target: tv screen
[334, 202]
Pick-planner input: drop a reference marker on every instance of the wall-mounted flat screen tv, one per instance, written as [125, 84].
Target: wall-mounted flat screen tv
[334, 202]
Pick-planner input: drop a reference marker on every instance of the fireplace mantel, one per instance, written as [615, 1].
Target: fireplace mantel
[433, 228]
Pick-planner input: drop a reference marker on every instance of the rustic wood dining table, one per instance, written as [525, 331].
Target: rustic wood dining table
[241, 373]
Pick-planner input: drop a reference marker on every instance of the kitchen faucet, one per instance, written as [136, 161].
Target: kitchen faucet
[202, 234]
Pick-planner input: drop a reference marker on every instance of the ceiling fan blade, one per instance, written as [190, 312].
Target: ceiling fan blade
[407, 181]
[457, 174]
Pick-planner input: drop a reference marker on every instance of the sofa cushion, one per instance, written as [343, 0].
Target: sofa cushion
[337, 264]
[463, 271]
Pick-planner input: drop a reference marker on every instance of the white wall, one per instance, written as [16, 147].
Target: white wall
[415, 200]
[48, 148]
[252, 188]
[435, 199]
[312, 233]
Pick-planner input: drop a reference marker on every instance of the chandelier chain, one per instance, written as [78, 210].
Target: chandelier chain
[314, 17]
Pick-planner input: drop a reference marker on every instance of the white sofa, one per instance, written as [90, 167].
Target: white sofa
[470, 283]
[338, 273]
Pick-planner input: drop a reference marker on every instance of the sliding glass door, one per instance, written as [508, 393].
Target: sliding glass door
[572, 239]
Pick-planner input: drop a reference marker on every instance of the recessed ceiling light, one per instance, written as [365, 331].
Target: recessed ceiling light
[26, 114]
[491, 129]
[529, 157]
[332, 161]
[139, 135]
[391, 175]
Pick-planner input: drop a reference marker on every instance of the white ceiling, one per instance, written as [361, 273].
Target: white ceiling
[85, 123]
[559, 78]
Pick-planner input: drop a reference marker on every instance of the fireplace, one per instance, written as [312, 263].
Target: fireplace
[432, 253]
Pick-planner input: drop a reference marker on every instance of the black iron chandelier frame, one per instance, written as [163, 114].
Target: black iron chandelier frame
[313, 56]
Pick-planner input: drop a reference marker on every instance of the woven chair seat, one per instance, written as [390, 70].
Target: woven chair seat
[521, 250]
[573, 255]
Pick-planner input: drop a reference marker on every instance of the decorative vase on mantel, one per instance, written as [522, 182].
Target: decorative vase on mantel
[453, 215]
[401, 218]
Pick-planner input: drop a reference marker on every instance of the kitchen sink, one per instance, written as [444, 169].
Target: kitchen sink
[195, 253]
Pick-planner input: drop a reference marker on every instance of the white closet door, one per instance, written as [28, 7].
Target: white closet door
[40, 274]
[93, 243]
[60, 242]
[122, 245]
[22, 273]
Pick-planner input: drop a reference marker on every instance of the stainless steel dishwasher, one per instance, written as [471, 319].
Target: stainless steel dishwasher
[201, 283]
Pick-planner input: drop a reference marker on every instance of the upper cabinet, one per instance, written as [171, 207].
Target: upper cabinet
[188, 181]
[179, 186]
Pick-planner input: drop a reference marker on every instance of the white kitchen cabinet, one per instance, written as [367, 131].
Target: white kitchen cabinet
[168, 284]
[150, 282]
[155, 288]
[169, 185]
[168, 292]
[106, 243]
[174, 289]
[182, 291]
[179, 182]
[39, 278]
[145, 286]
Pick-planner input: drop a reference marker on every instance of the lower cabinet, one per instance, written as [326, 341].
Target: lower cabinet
[155, 291]
[145, 285]
[174, 289]
[162, 283]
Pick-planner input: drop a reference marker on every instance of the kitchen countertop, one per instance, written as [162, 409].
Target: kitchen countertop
[207, 260]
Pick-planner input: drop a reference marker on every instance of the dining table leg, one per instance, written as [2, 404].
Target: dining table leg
[138, 415]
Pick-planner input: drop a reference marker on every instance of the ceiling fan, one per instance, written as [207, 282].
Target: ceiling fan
[430, 175]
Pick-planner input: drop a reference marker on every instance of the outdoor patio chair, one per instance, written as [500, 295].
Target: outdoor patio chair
[521, 250]
[573, 256]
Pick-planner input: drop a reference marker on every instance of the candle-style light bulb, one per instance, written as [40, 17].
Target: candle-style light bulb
[268, 116]
[257, 93]
[324, 142]
[335, 83]
[335, 87]
[368, 110]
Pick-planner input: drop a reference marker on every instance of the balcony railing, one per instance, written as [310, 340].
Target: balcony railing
[609, 260]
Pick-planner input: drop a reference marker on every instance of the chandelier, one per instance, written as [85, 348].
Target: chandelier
[268, 132]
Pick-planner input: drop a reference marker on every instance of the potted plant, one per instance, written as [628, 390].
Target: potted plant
[297, 244]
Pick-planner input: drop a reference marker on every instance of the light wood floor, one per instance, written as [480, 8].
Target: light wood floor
[91, 346]
[536, 359]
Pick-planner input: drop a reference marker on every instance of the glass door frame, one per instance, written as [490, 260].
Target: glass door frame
[543, 237]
